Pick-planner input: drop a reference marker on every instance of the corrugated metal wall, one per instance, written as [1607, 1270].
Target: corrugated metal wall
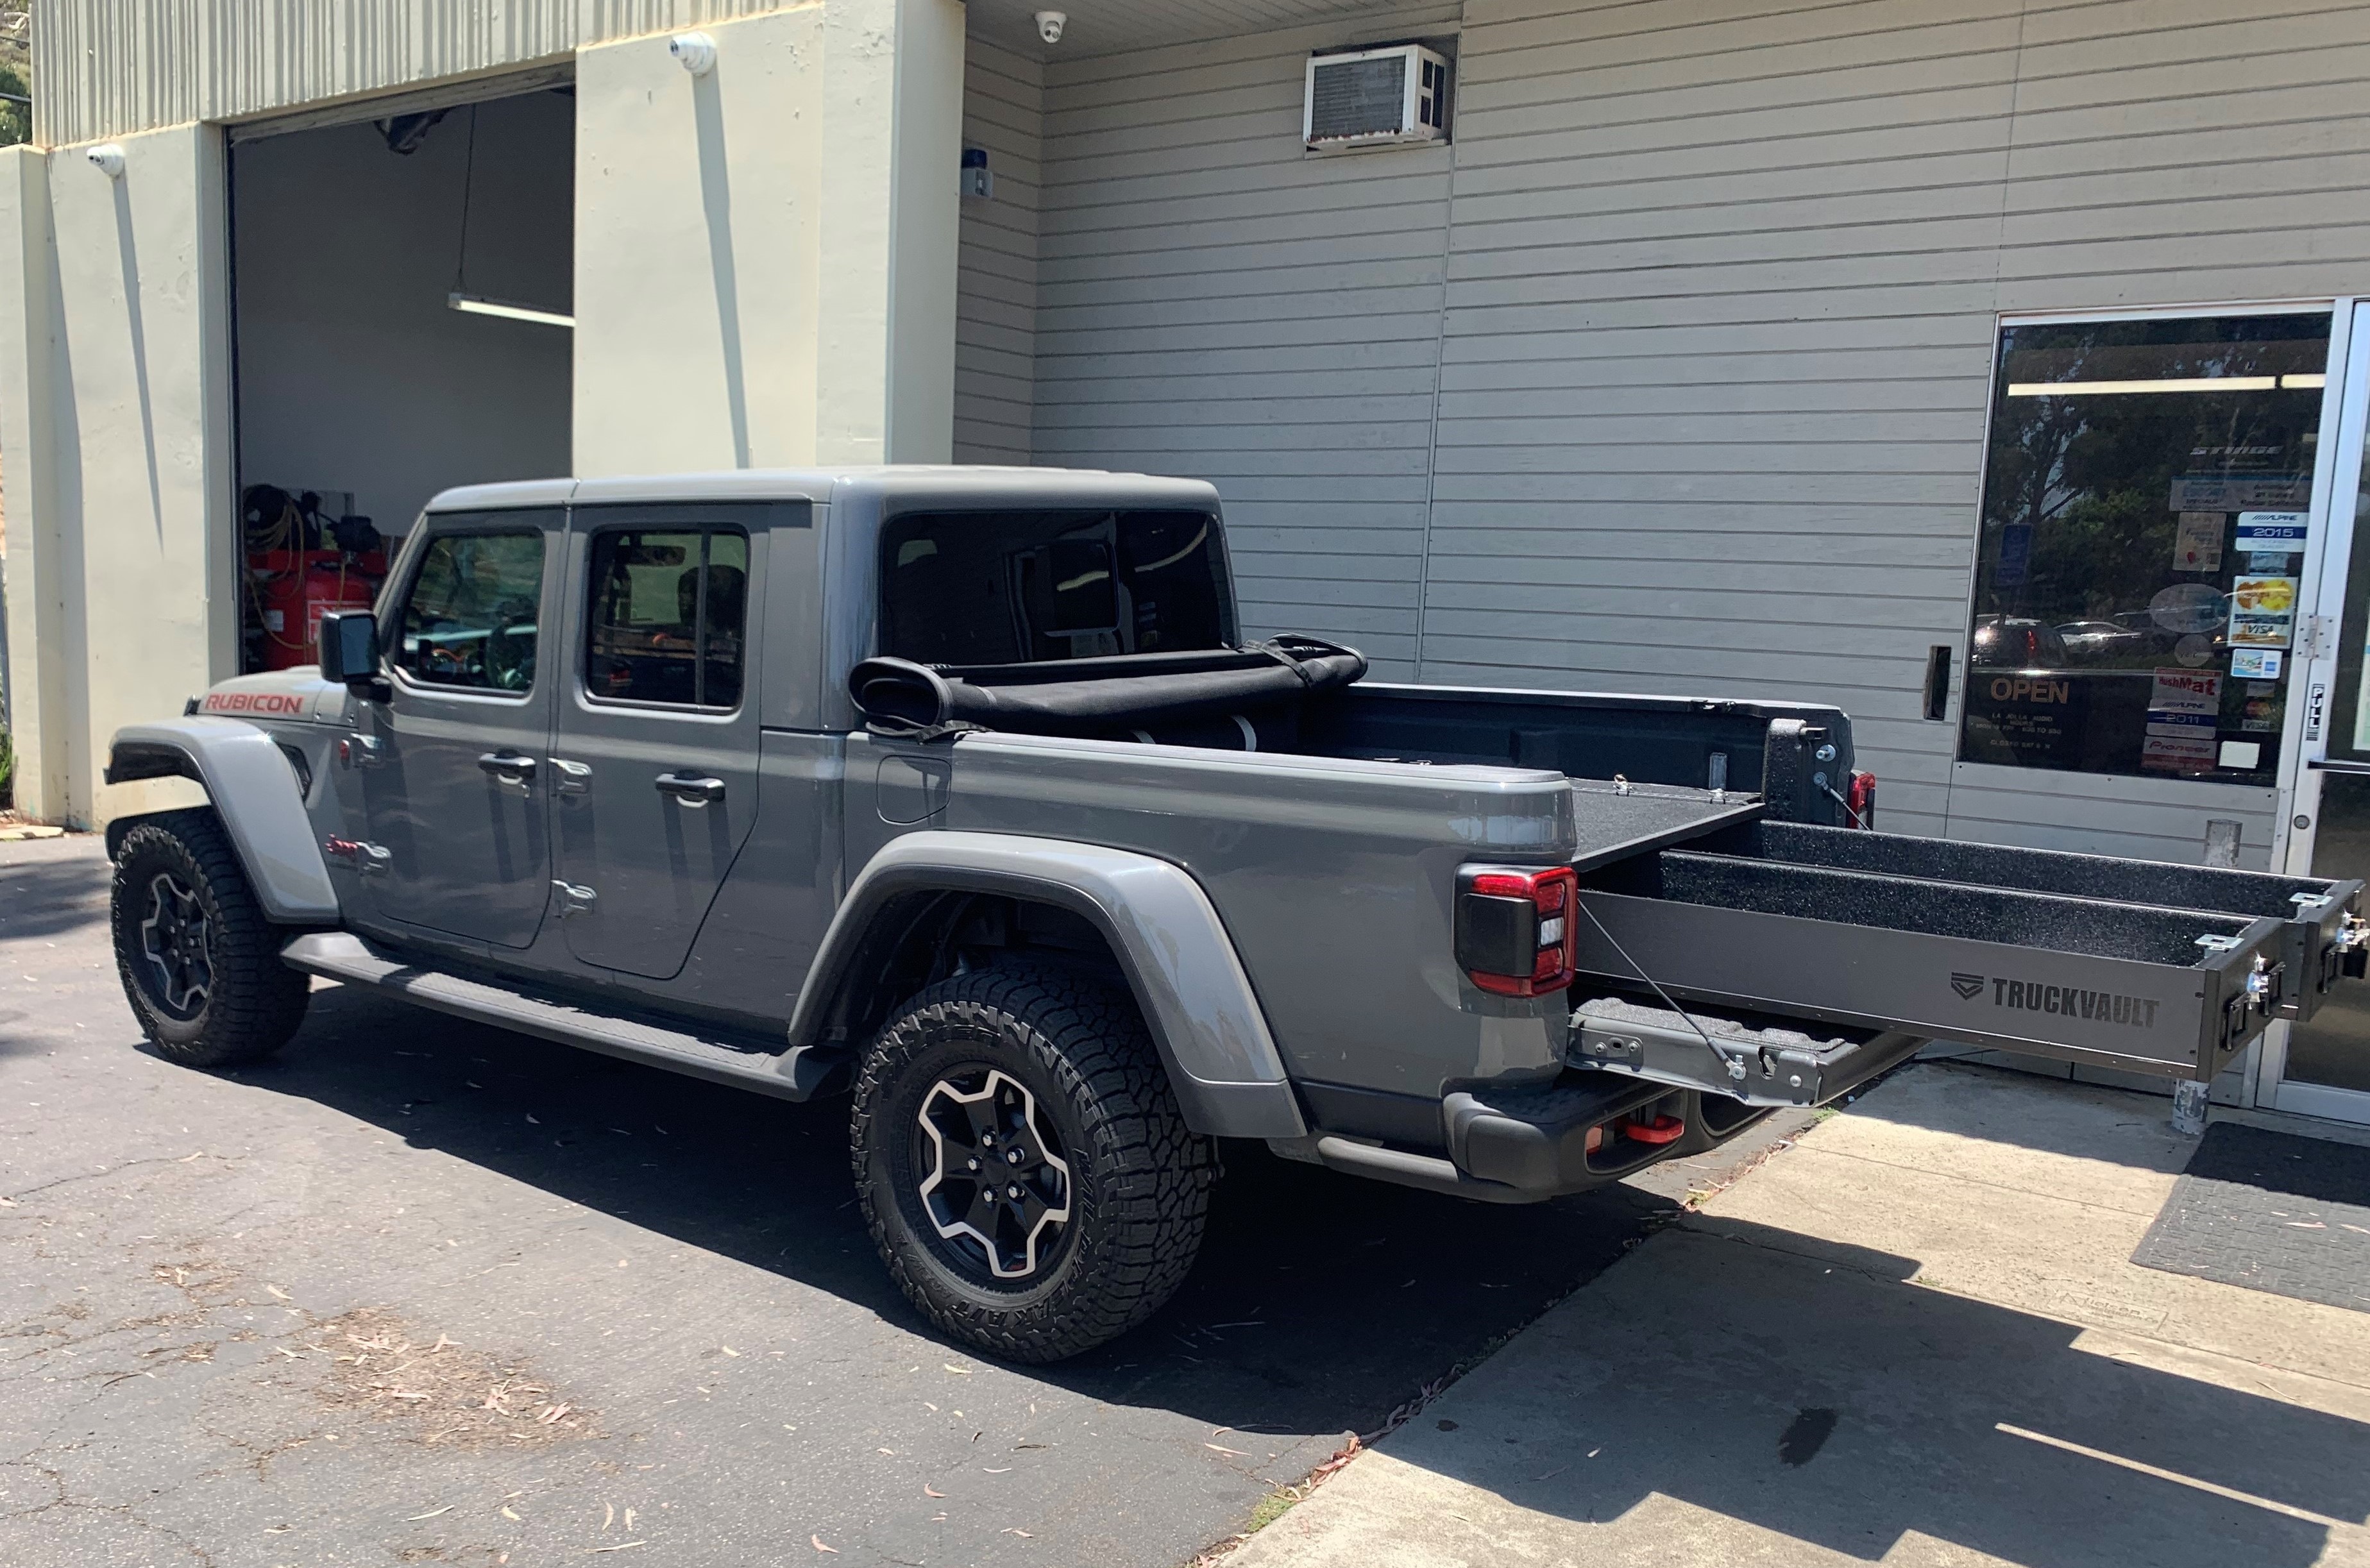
[114, 67]
[1713, 329]
[995, 303]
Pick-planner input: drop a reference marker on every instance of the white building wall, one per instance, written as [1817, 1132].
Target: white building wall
[125, 345]
[1213, 303]
[1712, 312]
[996, 321]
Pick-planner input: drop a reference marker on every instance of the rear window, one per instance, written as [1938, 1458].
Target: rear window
[1014, 587]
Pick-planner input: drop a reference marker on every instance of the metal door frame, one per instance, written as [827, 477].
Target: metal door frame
[2303, 743]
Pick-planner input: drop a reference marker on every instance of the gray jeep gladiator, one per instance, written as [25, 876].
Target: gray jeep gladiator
[963, 790]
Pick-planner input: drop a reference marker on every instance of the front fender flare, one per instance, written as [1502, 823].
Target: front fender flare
[1175, 953]
[254, 792]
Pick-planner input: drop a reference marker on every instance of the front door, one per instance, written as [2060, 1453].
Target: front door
[450, 767]
[655, 761]
[2323, 1068]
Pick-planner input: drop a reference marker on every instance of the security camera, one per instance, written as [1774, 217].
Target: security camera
[696, 52]
[107, 158]
[1049, 24]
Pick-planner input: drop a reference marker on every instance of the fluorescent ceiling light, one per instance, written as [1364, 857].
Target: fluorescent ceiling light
[2100, 388]
[2304, 382]
[478, 305]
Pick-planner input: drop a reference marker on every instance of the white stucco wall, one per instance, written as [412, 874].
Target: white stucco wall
[127, 405]
[765, 254]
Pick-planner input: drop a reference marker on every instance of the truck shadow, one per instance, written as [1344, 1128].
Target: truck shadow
[1319, 1303]
[52, 887]
[1801, 1387]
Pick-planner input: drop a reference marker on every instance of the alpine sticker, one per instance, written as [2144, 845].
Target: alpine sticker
[2064, 1002]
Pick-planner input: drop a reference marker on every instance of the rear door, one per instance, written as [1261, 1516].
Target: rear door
[654, 770]
[450, 767]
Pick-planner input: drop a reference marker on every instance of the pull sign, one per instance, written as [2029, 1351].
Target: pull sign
[2313, 705]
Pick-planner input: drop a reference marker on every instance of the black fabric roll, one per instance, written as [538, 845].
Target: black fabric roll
[897, 696]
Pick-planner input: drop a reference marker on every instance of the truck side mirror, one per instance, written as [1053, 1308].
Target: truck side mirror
[349, 647]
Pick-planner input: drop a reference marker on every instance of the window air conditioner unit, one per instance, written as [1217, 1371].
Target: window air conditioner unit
[1375, 97]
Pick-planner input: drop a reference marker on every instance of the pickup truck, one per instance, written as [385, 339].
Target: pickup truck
[963, 792]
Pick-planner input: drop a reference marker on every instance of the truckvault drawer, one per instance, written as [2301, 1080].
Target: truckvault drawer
[2129, 964]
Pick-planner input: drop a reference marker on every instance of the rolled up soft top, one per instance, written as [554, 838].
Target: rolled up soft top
[899, 697]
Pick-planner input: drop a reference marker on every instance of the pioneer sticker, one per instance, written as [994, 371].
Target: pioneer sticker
[2065, 1002]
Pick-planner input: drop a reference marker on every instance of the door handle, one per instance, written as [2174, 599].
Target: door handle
[691, 789]
[575, 778]
[508, 768]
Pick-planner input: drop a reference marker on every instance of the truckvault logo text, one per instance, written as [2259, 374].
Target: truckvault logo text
[2065, 1001]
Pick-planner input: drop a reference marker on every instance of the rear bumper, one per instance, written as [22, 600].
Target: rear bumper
[1526, 1143]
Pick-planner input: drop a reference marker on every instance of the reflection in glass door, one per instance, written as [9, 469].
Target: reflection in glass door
[2323, 1068]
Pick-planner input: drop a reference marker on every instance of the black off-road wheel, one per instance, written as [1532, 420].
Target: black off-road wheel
[200, 964]
[1022, 1162]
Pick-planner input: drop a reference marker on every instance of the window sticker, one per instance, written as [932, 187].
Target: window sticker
[2197, 545]
[2256, 664]
[2177, 743]
[2272, 532]
[2263, 612]
[2185, 691]
[2220, 492]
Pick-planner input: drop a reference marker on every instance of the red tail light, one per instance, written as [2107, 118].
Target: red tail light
[1515, 933]
[1860, 796]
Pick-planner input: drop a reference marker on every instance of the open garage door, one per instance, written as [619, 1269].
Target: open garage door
[402, 287]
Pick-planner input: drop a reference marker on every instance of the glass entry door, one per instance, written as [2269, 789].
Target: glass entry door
[2323, 1068]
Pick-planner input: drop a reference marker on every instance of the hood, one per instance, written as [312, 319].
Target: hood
[297, 695]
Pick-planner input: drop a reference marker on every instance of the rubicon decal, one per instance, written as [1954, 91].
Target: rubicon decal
[253, 702]
[2065, 1002]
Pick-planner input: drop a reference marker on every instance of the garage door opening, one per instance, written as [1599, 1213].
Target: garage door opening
[402, 297]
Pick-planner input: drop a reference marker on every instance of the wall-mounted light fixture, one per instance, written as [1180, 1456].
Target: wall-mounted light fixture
[107, 158]
[477, 304]
[695, 52]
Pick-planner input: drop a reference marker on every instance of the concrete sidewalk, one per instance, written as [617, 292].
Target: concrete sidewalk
[1915, 1337]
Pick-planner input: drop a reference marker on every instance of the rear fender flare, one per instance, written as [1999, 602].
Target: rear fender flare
[254, 792]
[1172, 948]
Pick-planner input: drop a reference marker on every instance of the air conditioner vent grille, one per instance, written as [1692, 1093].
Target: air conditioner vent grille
[1359, 97]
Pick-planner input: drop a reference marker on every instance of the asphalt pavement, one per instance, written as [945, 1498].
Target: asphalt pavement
[245, 1317]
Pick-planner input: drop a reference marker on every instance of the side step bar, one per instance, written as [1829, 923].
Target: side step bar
[340, 956]
[1767, 1066]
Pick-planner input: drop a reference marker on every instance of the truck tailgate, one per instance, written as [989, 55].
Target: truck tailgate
[2148, 968]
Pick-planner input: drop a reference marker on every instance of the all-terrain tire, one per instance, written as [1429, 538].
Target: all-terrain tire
[1137, 1187]
[200, 964]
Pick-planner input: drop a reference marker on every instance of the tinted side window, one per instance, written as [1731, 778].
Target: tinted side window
[668, 616]
[1010, 587]
[469, 620]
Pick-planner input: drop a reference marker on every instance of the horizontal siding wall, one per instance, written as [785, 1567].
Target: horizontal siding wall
[114, 67]
[1690, 395]
[1719, 336]
[996, 299]
[1214, 303]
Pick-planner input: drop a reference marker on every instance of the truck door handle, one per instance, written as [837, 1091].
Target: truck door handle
[692, 789]
[508, 768]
